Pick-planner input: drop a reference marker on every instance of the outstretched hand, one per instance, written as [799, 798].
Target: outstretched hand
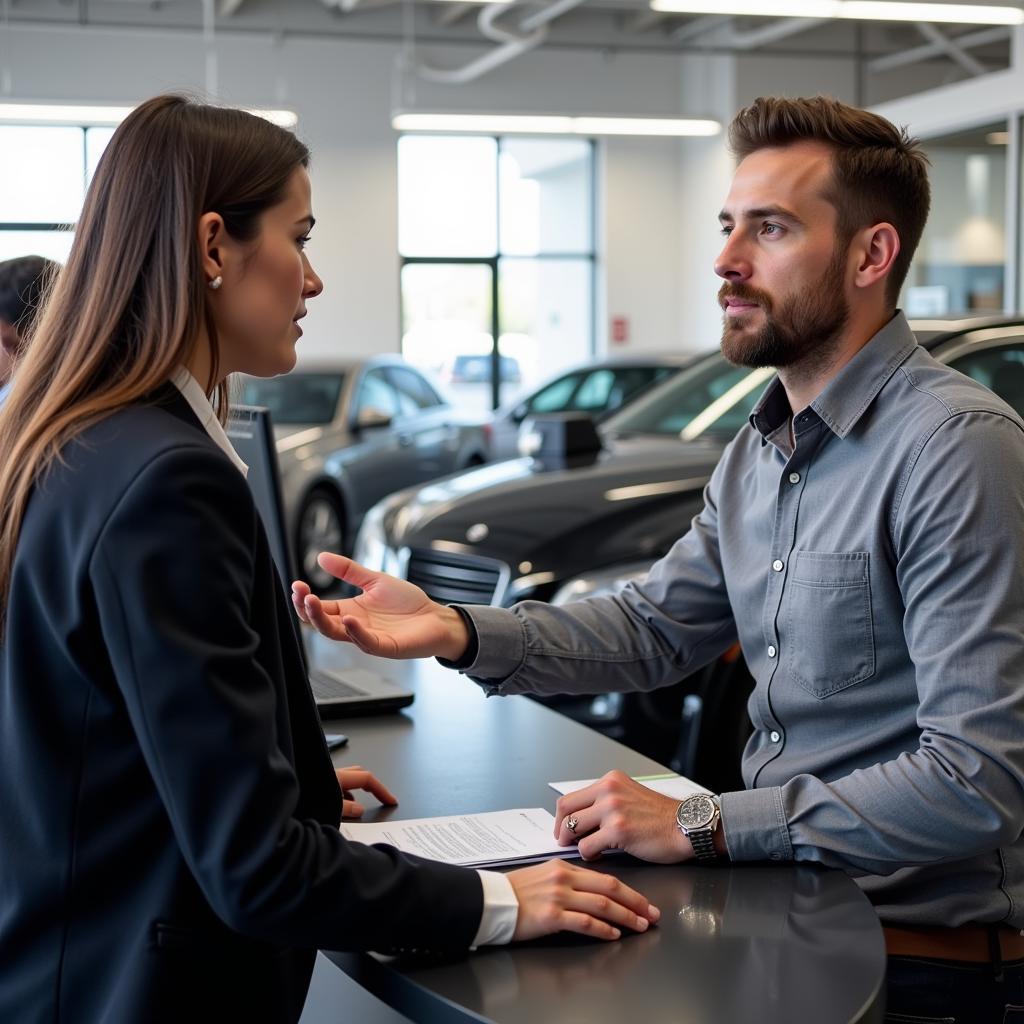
[390, 618]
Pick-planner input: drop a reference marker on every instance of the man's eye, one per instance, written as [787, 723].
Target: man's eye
[773, 229]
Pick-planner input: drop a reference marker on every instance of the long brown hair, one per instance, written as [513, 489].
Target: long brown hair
[879, 172]
[131, 303]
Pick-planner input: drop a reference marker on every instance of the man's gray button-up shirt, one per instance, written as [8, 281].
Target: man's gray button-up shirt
[873, 573]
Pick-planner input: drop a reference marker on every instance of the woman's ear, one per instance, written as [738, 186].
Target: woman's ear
[213, 240]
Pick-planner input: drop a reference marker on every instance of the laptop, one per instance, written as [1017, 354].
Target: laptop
[339, 693]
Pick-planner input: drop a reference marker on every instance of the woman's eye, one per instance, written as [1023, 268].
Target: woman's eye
[302, 241]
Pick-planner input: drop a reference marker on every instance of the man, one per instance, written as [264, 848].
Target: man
[22, 283]
[862, 538]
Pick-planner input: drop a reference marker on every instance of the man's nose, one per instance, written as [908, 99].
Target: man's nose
[732, 263]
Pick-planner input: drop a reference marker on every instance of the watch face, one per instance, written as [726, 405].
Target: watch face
[696, 811]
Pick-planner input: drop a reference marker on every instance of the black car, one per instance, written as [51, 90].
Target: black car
[556, 529]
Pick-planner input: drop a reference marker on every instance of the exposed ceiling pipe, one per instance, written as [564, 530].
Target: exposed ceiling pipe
[950, 47]
[700, 26]
[781, 29]
[919, 53]
[512, 43]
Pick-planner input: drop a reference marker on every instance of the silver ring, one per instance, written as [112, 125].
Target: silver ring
[571, 822]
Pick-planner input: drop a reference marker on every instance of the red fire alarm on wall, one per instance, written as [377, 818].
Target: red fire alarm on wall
[620, 329]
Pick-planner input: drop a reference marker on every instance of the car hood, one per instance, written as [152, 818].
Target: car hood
[559, 515]
[284, 432]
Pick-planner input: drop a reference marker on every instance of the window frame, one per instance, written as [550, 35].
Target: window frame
[588, 256]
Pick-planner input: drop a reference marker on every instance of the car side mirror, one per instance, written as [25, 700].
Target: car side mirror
[557, 436]
[372, 419]
[519, 412]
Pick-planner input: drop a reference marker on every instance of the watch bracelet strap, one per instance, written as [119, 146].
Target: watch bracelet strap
[703, 842]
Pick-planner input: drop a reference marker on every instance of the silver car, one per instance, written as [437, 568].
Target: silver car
[348, 434]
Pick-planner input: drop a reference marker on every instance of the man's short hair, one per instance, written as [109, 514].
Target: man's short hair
[23, 282]
[879, 172]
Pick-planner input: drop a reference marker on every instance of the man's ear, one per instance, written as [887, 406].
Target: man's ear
[875, 249]
[213, 242]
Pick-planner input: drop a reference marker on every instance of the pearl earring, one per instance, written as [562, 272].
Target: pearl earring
[216, 282]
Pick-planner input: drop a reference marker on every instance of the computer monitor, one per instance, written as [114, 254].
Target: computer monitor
[252, 435]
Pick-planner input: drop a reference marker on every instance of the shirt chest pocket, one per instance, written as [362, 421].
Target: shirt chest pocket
[828, 619]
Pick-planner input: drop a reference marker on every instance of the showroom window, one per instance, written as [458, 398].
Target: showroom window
[496, 238]
[43, 178]
[961, 263]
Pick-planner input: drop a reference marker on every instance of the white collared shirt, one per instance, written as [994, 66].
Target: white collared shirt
[200, 404]
[501, 907]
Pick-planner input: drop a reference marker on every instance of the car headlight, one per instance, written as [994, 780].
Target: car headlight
[600, 582]
[372, 548]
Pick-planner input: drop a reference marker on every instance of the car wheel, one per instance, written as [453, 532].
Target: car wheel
[472, 462]
[321, 527]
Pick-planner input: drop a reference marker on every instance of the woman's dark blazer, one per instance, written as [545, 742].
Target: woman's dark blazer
[169, 846]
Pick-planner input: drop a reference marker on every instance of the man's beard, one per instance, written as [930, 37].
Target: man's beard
[805, 326]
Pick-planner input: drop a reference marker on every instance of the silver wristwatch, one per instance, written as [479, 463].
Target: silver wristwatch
[698, 817]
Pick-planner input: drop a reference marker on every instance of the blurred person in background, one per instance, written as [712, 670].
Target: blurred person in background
[23, 282]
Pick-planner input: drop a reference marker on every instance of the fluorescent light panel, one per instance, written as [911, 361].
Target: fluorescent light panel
[859, 10]
[50, 113]
[552, 124]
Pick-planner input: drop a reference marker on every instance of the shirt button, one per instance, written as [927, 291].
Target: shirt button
[777, 565]
[771, 651]
[774, 737]
[794, 478]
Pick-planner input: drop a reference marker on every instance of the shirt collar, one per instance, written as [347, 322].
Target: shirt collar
[852, 390]
[200, 405]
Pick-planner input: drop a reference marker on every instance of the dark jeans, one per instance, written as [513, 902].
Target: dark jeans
[923, 991]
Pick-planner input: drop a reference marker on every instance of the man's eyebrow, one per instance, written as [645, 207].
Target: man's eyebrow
[760, 212]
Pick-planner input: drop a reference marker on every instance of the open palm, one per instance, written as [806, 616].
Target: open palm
[390, 618]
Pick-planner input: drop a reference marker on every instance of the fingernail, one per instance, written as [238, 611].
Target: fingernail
[653, 913]
[642, 923]
[616, 934]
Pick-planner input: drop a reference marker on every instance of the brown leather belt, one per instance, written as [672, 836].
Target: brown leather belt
[969, 943]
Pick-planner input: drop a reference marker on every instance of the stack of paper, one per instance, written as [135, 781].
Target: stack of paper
[679, 787]
[470, 840]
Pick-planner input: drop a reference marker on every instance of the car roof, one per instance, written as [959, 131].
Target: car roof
[934, 331]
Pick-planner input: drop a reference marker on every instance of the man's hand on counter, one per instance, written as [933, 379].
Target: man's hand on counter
[390, 618]
[619, 813]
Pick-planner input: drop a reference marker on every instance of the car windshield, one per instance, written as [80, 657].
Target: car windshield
[714, 398]
[297, 399]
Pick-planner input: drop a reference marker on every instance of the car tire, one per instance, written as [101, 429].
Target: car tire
[320, 527]
[472, 462]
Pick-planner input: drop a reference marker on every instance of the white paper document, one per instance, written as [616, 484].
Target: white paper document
[679, 787]
[470, 840]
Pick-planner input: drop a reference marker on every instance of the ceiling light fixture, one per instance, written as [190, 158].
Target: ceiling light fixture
[858, 10]
[552, 124]
[73, 114]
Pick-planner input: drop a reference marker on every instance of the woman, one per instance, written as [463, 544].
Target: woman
[169, 808]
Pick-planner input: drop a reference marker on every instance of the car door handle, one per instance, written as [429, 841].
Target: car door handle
[405, 440]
